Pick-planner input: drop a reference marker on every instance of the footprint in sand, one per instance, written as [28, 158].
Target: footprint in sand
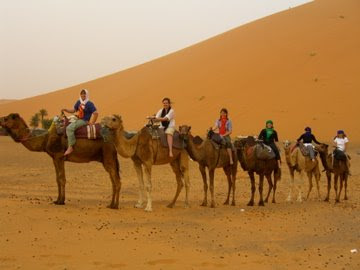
[161, 261]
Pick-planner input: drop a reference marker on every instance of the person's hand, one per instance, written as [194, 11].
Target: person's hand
[151, 117]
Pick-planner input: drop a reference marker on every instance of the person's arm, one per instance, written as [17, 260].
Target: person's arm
[261, 135]
[315, 140]
[229, 129]
[300, 138]
[168, 117]
[68, 110]
[93, 118]
[216, 126]
[335, 142]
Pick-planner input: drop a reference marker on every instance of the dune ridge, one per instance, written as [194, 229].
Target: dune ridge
[298, 67]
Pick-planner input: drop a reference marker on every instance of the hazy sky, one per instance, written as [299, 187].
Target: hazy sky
[51, 44]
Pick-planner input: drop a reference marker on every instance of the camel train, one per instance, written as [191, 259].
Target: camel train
[160, 143]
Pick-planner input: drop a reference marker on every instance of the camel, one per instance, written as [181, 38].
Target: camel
[339, 168]
[250, 163]
[297, 162]
[208, 156]
[54, 145]
[146, 152]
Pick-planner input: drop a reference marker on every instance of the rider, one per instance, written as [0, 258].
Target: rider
[307, 139]
[86, 114]
[224, 125]
[166, 117]
[269, 136]
[340, 142]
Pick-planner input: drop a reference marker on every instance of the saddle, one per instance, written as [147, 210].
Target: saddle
[340, 155]
[304, 150]
[158, 133]
[218, 141]
[259, 149]
[91, 132]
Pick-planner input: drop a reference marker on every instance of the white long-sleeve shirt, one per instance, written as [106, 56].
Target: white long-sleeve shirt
[170, 116]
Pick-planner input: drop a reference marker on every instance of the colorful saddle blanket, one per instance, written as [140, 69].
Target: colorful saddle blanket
[159, 134]
[91, 132]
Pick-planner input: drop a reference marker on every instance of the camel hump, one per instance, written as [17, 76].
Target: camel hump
[197, 140]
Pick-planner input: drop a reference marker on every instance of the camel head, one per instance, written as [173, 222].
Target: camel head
[287, 144]
[322, 148]
[184, 130]
[112, 122]
[14, 125]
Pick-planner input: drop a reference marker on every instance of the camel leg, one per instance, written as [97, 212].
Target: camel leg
[299, 185]
[203, 174]
[261, 187]
[211, 176]
[148, 207]
[184, 167]
[291, 185]
[341, 187]
[309, 175]
[345, 183]
[274, 188]
[228, 176]
[328, 176]
[233, 181]
[61, 180]
[139, 172]
[176, 169]
[111, 165]
[57, 180]
[336, 178]
[268, 177]
[253, 188]
[317, 179]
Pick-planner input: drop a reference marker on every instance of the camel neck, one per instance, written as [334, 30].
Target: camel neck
[195, 152]
[126, 147]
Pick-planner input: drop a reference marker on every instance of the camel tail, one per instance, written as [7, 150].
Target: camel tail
[277, 173]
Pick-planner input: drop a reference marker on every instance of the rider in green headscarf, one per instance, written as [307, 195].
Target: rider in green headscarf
[269, 136]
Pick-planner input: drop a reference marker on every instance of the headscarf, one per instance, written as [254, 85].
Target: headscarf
[308, 130]
[269, 131]
[83, 102]
[81, 111]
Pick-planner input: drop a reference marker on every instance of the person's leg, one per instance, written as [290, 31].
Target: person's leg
[277, 153]
[169, 135]
[170, 143]
[70, 132]
[228, 148]
[311, 152]
[230, 155]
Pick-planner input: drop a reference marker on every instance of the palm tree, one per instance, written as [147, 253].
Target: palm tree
[34, 121]
[43, 113]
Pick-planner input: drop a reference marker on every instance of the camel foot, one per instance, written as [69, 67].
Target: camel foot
[204, 203]
[226, 202]
[273, 201]
[346, 198]
[111, 206]
[148, 208]
[251, 203]
[186, 205]
[212, 205]
[233, 203]
[139, 205]
[170, 205]
[326, 199]
[266, 200]
[59, 202]
[337, 201]
[261, 203]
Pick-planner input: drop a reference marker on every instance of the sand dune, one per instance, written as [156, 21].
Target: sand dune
[298, 67]
[4, 101]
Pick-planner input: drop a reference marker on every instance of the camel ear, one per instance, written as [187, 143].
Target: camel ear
[189, 128]
[15, 116]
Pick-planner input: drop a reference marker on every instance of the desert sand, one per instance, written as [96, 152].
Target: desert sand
[84, 234]
[298, 67]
